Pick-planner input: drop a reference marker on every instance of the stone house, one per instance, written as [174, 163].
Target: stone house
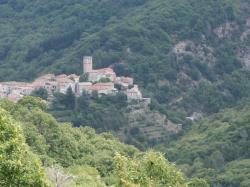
[15, 90]
[83, 86]
[134, 93]
[124, 81]
[103, 88]
[63, 84]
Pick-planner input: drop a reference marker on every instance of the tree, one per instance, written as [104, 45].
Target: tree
[18, 166]
[198, 183]
[83, 100]
[70, 98]
[151, 169]
[216, 160]
[122, 70]
[33, 102]
[118, 86]
[147, 169]
[58, 176]
[84, 78]
[94, 94]
[103, 80]
[41, 92]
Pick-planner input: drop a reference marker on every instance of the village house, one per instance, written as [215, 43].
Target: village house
[83, 87]
[64, 83]
[4, 90]
[15, 90]
[124, 81]
[134, 93]
[24, 89]
[45, 78]
[74, 77]
[47, 82]
[103, 88]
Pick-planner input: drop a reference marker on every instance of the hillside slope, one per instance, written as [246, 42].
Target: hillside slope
[170, 46]
[217, 148]
[187, 55]
[35, 34]
[133, 123]
[74, 157]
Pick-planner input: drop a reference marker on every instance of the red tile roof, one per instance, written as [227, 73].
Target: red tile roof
[105, 70]
[102, 86]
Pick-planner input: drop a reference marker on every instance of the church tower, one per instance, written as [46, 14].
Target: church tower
[87, 64]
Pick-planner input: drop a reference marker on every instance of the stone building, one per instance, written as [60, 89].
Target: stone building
[124, 81]
[74, 77]
[105, 73]
[64, 83]
[134, 93]
[47, 82]
[15, 90]
[97, 75]
[83, 87]
[103, 88]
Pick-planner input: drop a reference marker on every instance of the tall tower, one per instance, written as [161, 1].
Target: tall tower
[87, 64]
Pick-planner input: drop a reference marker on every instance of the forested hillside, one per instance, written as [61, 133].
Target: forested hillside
[188, 56]
[35, 35]
[175, 49]
[217, 148]
[36, 150]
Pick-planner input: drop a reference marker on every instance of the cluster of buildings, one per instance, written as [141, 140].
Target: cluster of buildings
[102, 81]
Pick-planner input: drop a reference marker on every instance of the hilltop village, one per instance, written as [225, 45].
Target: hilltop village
[102, 81]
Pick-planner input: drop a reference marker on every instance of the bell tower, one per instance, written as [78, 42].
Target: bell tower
[87, 64]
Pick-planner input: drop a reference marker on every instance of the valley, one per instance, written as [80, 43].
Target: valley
[168, 76]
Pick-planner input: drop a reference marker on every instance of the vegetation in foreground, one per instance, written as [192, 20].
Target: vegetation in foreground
[73, 156]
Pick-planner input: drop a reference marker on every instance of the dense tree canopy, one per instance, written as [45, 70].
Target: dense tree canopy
[217, 148]
[18, 165]
[87, 158]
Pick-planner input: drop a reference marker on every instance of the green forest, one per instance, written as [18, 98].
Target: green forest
[36, 150]
[188, 56]
[216, 148]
